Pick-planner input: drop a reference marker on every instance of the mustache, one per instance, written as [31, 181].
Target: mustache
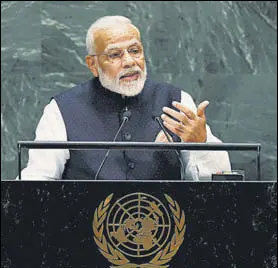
[129, 72]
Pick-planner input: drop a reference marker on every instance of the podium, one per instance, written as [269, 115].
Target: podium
[139, 224]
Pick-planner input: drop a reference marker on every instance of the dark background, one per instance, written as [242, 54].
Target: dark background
[223, 51]
[49, 224]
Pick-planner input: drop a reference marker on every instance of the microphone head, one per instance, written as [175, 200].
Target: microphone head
[156, 113]
[126, 114]
[156, 117]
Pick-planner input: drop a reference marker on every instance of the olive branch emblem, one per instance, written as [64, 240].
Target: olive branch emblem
[114, 256]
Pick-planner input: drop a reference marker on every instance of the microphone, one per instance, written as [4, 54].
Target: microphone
[125, 115]
[157, 118]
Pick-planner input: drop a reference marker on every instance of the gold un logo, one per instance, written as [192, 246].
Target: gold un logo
[137, 231]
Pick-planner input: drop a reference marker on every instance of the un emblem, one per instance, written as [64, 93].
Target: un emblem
[138, 231]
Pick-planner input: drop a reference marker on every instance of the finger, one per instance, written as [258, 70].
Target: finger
[170, 138]
[177, 115]
[165, 138]
[201, 108]
[190, 114]
[170, 121]
[168, 135]
[176, 131]
[160, 137]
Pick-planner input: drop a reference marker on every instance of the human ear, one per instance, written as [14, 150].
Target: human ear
[92, 64]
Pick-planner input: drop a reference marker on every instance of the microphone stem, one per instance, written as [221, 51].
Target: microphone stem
[125, 119]
[177, 152]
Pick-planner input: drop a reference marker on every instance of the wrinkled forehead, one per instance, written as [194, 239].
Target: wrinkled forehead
[122, 44]
[114, 37]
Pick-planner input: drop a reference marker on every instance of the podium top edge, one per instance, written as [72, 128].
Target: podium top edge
[141, 181]
[136, 145]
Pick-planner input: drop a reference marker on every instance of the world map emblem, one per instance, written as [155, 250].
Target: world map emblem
[139, 230]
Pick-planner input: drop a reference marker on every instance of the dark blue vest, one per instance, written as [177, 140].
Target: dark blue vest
[93, 113]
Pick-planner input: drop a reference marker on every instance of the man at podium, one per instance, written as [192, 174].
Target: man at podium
[122, 96]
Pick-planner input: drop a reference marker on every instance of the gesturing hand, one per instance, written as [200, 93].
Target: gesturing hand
[190, 127]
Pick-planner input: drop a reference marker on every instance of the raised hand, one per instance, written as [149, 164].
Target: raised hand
[190, 127]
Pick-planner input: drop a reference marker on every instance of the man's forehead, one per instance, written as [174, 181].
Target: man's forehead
[123, 44]
[113, 37]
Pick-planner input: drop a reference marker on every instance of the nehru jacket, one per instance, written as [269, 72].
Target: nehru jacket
[94, 113]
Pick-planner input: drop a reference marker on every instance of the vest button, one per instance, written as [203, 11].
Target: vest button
[131, 165]
[127, 136]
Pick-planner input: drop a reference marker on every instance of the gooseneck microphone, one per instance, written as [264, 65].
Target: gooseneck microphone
[125, 115]
[157, 118]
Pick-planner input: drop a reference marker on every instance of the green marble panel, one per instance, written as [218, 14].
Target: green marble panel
[221, 51]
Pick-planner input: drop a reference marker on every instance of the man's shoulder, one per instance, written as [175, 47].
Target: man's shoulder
[78, 89]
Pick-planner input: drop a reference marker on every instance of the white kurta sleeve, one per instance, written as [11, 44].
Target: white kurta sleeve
[201, 164]
[48, 164]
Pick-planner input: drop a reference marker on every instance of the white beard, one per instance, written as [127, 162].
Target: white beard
[126, 88]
